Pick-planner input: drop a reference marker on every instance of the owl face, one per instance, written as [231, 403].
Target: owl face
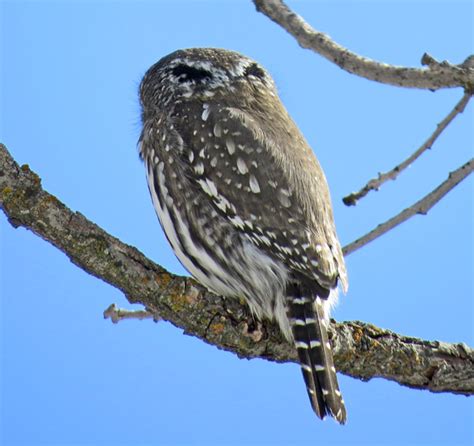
[201, 74]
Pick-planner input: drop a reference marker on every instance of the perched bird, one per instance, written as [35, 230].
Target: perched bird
[243, 200]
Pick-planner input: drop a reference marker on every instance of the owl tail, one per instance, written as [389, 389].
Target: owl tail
[315, 355]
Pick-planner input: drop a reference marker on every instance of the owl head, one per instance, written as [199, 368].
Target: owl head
[202, 74]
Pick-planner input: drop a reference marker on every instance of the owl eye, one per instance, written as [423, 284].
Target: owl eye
[254, 70]
[185, 73]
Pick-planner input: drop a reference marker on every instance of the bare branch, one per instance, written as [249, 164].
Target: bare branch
[420, 207]
[375, 183]
[361, 350]
[116, 314]
[435, 76]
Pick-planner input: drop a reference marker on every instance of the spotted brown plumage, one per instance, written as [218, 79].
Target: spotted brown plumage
[243, 200]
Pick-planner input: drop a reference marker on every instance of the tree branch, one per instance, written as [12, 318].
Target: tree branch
[375, 183]
[435, 76]
[361, 350]
[116, 314]
[420, 207]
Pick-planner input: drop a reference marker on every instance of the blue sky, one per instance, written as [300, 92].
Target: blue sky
[69, 77]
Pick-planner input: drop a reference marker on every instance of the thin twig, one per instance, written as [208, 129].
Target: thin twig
[420, 207]
[116, 314]
[435, 76]
[375, 183]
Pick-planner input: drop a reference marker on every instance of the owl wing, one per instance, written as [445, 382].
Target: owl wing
[230, 158]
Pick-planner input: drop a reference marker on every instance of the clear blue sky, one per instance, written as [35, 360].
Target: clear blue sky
[70, 72]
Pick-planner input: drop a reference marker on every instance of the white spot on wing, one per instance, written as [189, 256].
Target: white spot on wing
[205, 112]
[217, 130]
[237, 221]
[230, 145]
[254, 186]
[199, 168]
[264, 239]
[243, 169]
[249, 224]
[222, 203]
[209, 187]
[283, 198]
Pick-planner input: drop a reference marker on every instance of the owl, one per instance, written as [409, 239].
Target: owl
[243, 200]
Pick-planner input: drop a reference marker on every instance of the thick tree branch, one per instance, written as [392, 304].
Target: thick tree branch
[375, 183]
[420, 207]
[435, 76]
[361, 350]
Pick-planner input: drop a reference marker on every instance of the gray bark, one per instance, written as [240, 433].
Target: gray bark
[437, 74]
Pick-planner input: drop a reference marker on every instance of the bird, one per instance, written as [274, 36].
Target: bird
[243, 200]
